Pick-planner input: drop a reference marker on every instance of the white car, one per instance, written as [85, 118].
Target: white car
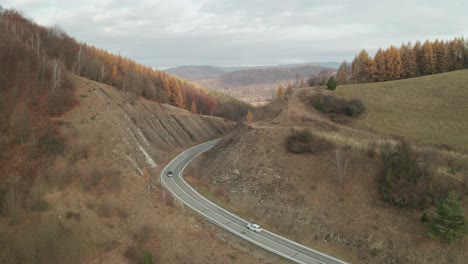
[254, 227]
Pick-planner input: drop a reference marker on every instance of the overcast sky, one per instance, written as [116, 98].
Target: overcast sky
[167, 33]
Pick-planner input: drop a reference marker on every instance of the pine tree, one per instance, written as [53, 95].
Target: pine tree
[450, 222]
[331, 83]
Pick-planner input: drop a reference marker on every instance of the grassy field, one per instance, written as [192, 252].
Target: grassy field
[431, 109]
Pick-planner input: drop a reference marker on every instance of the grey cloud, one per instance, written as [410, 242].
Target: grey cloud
[235, 32]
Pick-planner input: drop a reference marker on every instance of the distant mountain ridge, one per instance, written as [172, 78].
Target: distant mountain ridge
[202, 72]
[250, 83]
[193, 73]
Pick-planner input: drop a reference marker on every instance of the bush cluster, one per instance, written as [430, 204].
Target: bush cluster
[304, 142]
[336, 106]
[405, 182]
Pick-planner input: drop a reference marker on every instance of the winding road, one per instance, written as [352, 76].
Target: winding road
[229, 221]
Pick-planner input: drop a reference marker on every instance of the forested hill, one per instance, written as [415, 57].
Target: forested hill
[405, 62]
[35, 63]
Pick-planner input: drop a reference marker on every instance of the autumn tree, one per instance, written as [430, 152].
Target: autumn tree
[440, 56]
[417, 50]
[193, 108]
[393, 64]
[342, 74]
[427, 58]
[363, 67]
[380, 70]
[280, 91]
[408, 61]
[250, 117]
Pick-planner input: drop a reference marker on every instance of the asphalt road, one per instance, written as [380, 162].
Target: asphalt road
[229, 221]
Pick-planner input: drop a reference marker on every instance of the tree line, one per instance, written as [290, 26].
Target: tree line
[36, 63]
[405, 62]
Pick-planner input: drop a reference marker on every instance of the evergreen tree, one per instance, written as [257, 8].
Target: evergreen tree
[450, 222]
[331, 83]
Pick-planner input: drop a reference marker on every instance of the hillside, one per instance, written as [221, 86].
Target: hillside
[79, 159]
[435, 108]
[103, 189]
[259, 84]
[302, 197]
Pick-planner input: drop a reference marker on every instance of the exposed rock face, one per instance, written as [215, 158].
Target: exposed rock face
[142, 134]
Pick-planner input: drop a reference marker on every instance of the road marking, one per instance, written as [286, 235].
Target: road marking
[204, 147]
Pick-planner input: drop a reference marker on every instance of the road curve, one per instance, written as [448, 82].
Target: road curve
[229, 221]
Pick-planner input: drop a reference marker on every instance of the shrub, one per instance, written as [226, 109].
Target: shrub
[331, 83]
[450, 222]
[304, 142]
[123, 214]
[132, 253]
[51, 144]
[105, 209]
[147, 258]
[403, 181]
[143, 234]
[336, 106]
[40, 205]
[354, 108]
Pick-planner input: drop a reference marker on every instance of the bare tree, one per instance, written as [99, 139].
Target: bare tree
[340, 164]
[57, 76]
[12, 202]
[79, 62]
[102, 73]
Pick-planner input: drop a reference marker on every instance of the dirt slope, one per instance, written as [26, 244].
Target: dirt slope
[104, 189]
[251, 172]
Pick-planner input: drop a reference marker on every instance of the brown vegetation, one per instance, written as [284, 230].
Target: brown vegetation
[406, 62]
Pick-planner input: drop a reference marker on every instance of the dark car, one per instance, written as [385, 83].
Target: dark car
[169, 174]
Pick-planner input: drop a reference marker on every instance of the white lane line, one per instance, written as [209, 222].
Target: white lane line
[230, 229]
[218, 207]
[243, 220]
[297, 252]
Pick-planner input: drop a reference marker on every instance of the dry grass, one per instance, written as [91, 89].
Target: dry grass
[431, 109]
[298, 195]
